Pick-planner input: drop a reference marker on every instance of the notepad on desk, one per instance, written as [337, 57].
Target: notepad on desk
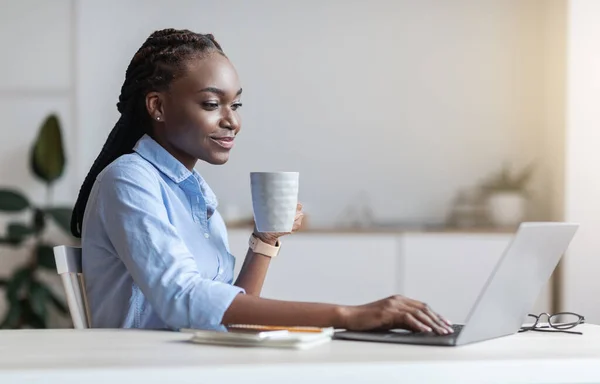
[265, 336]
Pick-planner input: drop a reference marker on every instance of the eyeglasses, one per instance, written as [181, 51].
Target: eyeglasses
[558, 322]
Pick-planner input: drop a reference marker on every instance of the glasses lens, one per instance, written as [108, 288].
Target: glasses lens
[564, 320]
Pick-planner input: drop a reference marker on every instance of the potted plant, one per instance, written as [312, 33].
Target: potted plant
[507, 196]
[28, 297]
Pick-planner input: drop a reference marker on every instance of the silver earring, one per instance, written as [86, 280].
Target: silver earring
[158, 118]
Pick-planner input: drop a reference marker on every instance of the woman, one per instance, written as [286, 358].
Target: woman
[155, 249]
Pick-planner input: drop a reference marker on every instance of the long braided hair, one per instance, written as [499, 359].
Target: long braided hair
[158, 61]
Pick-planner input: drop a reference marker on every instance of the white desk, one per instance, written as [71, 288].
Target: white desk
[130, 356]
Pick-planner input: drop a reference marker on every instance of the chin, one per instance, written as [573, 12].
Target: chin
[219, 159]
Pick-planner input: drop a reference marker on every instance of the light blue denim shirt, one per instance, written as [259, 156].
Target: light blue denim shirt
[155, 249]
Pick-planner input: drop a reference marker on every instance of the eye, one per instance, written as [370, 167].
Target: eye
[235, 106]
[210, 105]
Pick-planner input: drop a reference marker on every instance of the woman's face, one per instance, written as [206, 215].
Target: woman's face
[198, 115]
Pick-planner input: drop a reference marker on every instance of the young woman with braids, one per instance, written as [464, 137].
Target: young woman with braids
[155, 249]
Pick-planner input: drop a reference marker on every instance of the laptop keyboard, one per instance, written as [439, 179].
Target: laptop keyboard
[456, 327]
[402, 336]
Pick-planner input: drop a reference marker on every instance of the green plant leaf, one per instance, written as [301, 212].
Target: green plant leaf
[13, 315]
[19, 279]
[523, 178]
[39, 220]
[51, 298]
[62, 217]
[47, 155]
[16, 233]
[9, 242]
[58, 303]
[29, 317]
[38, 298]
[12, 201]
[45, 256]
[507, 181]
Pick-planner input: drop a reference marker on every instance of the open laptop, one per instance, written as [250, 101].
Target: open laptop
[506, 298]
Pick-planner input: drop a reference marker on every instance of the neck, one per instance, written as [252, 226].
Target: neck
[188, 161]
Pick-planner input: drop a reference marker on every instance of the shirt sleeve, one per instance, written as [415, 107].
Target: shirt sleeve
[137, 224]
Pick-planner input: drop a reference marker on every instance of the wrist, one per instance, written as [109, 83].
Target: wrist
[271, 240]
[340, 316]
[263, 246]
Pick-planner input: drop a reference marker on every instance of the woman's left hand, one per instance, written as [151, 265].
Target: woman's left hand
[271, 237]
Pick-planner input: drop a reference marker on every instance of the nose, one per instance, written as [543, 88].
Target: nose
[230, 121]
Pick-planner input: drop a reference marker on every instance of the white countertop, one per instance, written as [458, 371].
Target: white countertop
[392, 230]
[113, 356]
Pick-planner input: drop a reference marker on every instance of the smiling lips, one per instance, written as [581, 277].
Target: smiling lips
[225, 141]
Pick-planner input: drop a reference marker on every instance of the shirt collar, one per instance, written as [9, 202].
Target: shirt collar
[156, 155]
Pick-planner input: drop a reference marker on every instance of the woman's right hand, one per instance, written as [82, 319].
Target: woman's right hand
[394, 312]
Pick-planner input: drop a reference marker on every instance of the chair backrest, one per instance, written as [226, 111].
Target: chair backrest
[68, 266]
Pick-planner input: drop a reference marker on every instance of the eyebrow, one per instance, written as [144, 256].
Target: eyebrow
[218, 91]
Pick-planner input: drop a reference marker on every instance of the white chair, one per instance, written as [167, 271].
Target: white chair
[68, 266]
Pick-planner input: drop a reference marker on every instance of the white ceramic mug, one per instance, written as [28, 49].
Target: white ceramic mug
[274, 200]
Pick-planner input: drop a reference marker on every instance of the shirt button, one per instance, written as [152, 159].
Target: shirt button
[220, 271]
[206, 235]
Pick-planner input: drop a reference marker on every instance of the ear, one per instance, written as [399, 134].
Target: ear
[154, 106]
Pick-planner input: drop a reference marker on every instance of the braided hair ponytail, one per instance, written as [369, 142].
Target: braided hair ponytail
[158, 61]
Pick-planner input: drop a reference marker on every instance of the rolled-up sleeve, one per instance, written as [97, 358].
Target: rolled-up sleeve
[137, 224]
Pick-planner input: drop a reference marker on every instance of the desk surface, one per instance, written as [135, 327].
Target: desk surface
[114, 356]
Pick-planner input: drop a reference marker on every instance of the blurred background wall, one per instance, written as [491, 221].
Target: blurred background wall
[582, 184]
[399, 105]
[406, 100]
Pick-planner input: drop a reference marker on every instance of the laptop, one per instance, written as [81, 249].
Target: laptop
[507, 296]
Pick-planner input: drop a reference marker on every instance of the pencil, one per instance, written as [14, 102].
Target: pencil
[277, 328]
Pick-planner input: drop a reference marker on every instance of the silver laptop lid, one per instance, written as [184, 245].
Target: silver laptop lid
[517, 280]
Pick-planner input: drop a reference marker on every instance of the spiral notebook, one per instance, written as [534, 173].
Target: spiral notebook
[264, 336]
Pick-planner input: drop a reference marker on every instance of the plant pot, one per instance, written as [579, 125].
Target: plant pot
[507, 209]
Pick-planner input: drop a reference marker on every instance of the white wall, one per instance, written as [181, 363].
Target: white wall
[35, 80]
[410, 100]
[582, 265]
[553, 96]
